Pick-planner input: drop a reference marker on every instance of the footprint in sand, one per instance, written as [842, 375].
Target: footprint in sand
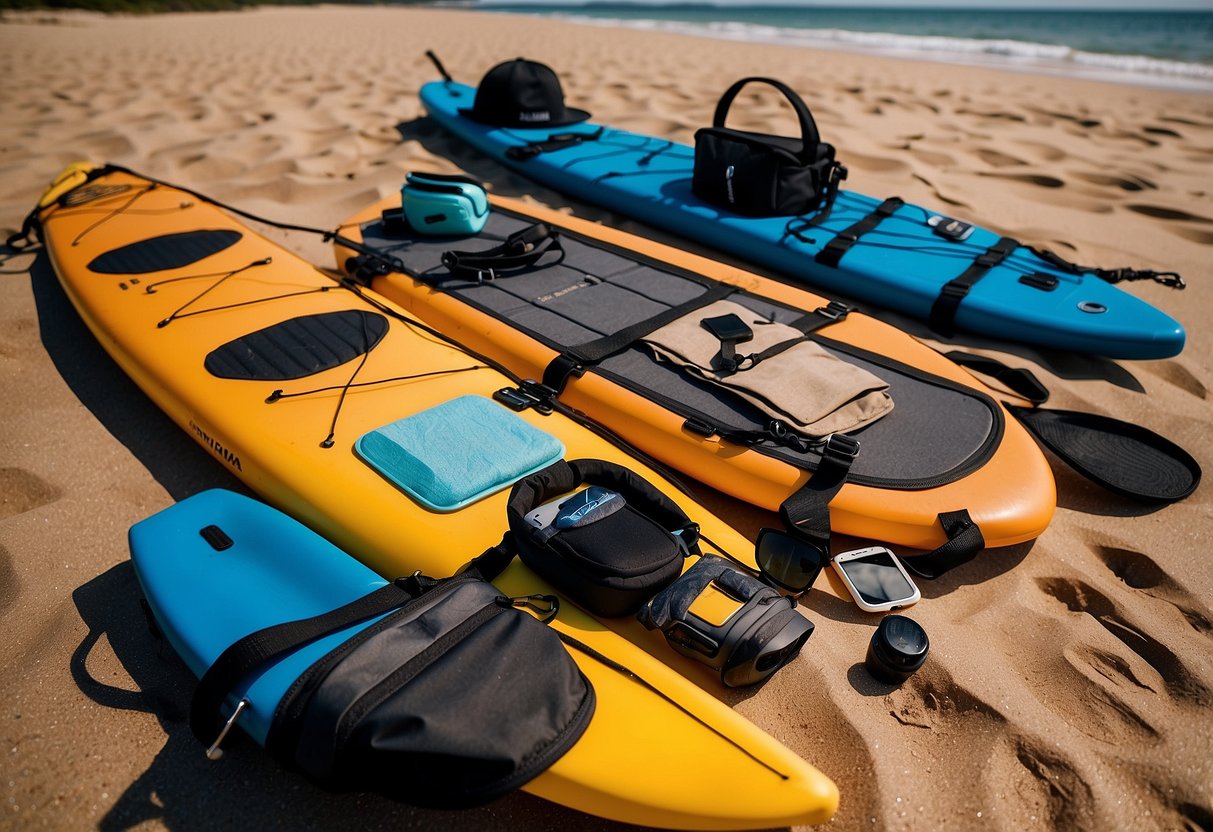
[1079, 596]
[1042, 787]
[1045, 152]
[998, 159]
[9, 588]
[21, 491]
[1162, 213]
[1129, 183]
[1140, 572]
[1040, 180]
[1064, 796]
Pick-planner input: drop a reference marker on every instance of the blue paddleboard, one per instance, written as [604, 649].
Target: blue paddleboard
[901, 263]
[219, 566]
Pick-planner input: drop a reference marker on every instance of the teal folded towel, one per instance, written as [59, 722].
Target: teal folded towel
[458, 452]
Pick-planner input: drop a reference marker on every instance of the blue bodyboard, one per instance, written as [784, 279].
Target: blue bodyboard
[219, 566]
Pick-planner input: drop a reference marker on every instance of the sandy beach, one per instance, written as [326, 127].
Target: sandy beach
[1070, 684]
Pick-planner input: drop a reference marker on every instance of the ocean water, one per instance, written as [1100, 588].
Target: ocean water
[1162, 48]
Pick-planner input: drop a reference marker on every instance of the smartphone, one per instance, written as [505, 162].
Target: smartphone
[876, 579]
[577, 509]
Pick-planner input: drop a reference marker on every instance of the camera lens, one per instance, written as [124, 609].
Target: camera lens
[897, 649]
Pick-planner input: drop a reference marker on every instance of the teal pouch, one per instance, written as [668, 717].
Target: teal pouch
[444, 205]
[454, 454]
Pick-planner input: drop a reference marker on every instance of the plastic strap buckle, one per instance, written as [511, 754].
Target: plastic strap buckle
[840, 447]
[834, 311]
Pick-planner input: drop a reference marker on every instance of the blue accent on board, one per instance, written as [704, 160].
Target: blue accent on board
[901, 264]
[275, 570]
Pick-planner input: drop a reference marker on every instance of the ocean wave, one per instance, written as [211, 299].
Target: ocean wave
[937, 47]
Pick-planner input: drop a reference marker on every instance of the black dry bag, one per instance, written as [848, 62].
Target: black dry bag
[632, 547]
[761, 175]
[451, 699]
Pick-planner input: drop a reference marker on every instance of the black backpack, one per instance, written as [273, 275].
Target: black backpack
[761, 175]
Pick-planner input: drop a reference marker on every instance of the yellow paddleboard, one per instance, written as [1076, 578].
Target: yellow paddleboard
[164, 280]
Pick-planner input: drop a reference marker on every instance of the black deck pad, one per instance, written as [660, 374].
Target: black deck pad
[298, 347]
[168, 251]
[937, 432]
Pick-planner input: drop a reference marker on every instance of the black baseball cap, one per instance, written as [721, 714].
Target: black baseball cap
[522, 93]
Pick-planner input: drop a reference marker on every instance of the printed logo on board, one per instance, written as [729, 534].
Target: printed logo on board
[216, 447]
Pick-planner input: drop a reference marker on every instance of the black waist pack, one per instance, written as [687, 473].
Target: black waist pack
[629, 548]
[452, 699]
[761, 175]
[753, 633]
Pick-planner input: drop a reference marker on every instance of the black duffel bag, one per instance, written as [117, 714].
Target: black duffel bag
[761, 175]
[452, 699]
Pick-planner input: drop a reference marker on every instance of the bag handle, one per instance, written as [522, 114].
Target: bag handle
[808, 127]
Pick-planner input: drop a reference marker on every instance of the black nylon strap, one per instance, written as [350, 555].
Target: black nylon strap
[556, 141]
[806, 512]
[522, 249]
[579, 356]
[1020, 380]
[833, 251]
[943, 313]
[965, 540]
[264, 646]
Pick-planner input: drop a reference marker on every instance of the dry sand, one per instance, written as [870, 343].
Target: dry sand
[1071, 680]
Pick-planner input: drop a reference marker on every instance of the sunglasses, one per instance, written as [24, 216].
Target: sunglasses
[788, 562]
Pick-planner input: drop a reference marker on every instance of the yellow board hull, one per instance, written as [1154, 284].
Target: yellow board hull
[1012, 497]
[627, 765]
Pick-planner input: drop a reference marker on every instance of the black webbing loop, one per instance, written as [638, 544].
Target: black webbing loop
[520, 250]
[556, 141]
[1021, 381]
[943, 312]
[806, 512]
[965, 540]
[264, 646]
[558, 372]
[833, 251]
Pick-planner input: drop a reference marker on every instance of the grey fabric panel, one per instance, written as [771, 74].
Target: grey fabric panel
[168, 251]
[912, 442]
[932, 430]
[298, 347]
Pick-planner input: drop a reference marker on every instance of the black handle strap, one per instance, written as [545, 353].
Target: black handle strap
[806, 511]
[965, 540]
[808, 127]
[264, 646]
[521, 250]
[1019, 380]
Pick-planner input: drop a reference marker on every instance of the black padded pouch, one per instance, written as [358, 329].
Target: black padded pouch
[452, 699]
[613, 565]
[761, 175]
